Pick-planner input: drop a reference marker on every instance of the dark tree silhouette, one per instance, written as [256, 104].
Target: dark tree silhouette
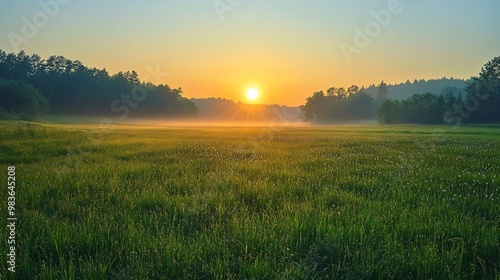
[483, 94]
[315, 110]
[338, 105]
[360, 106]
[70, 87]
[424, 108]
[382, 93]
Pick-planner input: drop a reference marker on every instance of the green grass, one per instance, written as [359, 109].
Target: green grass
[360, 202]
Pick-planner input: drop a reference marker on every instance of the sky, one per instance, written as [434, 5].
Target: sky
[286, 50]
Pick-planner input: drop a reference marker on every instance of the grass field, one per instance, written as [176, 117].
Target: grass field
[346, 202]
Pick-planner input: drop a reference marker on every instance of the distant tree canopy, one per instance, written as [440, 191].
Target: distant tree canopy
[453, 101]
[338, 104]
[405, 90]
[481, 103]
[72, 88]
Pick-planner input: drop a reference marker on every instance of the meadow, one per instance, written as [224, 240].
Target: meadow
[173, 202]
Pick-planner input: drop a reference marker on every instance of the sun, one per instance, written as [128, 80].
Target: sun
[252, 94]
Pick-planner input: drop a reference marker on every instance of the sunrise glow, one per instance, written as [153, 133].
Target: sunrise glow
[252, 94]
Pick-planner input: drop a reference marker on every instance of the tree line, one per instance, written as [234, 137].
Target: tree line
[340, 104]
[478, 102]
[31, 86]
[406, 89]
